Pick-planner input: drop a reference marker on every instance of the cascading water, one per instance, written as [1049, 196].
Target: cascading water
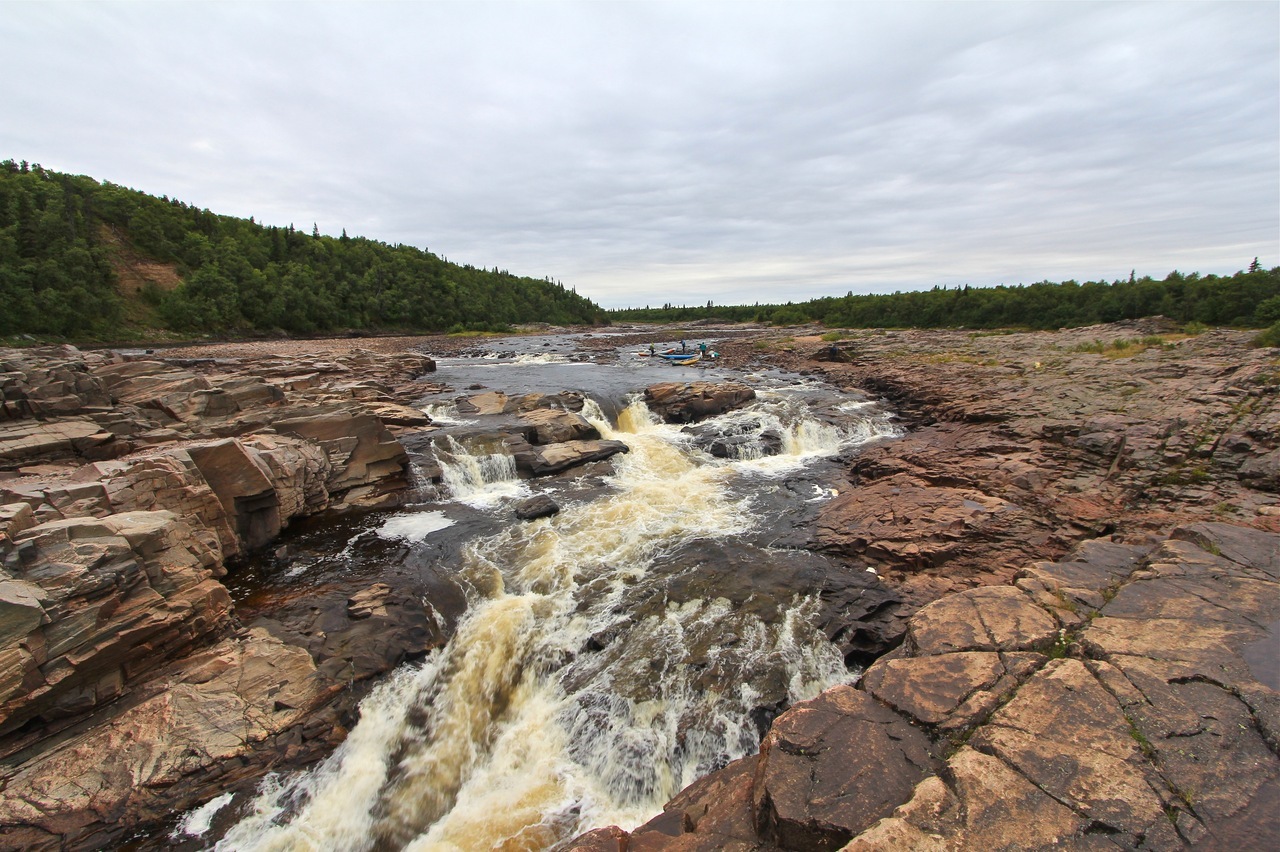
[561, 703]
[477, 477]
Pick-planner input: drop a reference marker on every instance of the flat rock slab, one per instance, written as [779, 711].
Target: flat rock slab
[904, 520]
[831, 767]
[986, 619]
[949, 690]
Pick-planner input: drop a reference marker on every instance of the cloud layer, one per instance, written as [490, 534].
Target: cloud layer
[653, 152]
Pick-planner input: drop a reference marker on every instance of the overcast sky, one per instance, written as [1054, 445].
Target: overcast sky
[651, 152]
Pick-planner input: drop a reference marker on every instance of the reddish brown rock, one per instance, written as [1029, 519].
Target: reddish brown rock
[94, 603]
[832, 767]
[553, 458]
[551, 426]
[906, 522]
[96, 784]
[361, 450]
[688, 402]
[987, 619]
[951, 691]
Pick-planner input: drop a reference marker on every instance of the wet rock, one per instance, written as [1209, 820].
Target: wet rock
[541, 506]
[553, 458]
[1159, 736]
[832, 767]
[369, 602]
[855, 610]
[736, 440]
[497, 402]
[552, 426]
[713, 813]
[681, 402]
[608, 839]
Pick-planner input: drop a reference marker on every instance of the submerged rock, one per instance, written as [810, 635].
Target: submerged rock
[541, 506]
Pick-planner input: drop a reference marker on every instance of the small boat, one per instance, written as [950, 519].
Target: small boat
[683, 360]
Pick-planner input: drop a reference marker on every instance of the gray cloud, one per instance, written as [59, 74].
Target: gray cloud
[653, 152]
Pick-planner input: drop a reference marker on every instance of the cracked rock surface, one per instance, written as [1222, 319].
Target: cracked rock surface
[1019, 717]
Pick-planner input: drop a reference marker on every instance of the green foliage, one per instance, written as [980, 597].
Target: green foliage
[1245, 299]
[58, 234]
[1270, 337]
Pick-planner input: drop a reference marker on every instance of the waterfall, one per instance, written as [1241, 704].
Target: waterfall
[560, 704]
[477, 477]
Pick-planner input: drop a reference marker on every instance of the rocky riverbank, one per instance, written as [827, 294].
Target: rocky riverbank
[1090, 519]
[1102, 503]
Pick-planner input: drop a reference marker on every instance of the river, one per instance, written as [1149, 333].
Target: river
[594, 673]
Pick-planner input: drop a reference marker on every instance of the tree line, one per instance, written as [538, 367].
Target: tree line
[62, 238]
[1247, 299]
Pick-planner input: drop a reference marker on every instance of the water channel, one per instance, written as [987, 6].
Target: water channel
[608, 655]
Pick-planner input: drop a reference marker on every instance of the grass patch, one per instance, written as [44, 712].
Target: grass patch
[999, 332]
[1270, 337]
[1183, 475]
[479, 334]
[1061, 644]
[1127, 347]
[1144, 744]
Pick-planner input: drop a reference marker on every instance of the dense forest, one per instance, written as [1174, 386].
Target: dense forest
[1249, 299]
[89, 260]
[82, 259]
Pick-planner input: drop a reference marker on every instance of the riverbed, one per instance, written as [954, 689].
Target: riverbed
[600, 659]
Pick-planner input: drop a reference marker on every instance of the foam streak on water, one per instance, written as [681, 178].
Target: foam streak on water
[555, 708]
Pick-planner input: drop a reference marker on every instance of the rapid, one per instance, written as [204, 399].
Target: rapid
[575, 692]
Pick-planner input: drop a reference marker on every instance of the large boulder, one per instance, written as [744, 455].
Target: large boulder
[832, 767]
[554, 458]
[553, 426]
[688, 402]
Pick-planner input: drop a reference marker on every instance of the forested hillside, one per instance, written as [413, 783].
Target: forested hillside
[83, 259]
[1247, 299]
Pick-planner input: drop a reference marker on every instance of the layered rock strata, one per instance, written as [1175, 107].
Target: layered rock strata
[125, 486]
